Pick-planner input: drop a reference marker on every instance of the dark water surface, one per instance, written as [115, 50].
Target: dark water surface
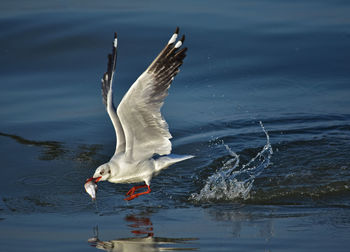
[283, 185]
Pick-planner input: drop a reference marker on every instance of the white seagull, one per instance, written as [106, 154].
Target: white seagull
[143, 147]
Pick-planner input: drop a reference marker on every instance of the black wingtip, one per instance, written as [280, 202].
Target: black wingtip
[182, 39]
[181, 52]
[177, 30]
[109, 56]
[115, 35]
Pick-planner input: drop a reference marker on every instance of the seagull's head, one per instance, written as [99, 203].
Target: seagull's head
[102, 173]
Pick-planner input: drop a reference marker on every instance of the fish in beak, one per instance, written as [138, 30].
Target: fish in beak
[91, 187]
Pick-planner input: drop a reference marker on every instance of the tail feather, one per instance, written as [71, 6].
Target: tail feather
[165, 161]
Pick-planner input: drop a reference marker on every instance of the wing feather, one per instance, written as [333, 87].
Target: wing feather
[146, 131]
[107, 97]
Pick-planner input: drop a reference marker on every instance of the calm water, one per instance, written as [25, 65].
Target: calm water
[279, 185]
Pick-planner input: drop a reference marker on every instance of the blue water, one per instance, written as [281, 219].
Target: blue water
[283, 185]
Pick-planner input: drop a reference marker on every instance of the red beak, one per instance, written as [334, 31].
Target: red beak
[89, 179]
[97, 179]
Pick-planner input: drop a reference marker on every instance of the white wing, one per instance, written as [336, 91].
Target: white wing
[146, 132]
[107, 96]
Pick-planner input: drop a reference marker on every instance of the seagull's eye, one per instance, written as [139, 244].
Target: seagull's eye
[102, 172]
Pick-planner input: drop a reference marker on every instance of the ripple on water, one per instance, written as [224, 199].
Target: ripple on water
[38, 180]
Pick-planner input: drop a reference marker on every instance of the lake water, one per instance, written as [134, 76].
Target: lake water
[262, 101]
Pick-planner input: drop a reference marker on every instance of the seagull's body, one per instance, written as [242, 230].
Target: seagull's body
[141, 131]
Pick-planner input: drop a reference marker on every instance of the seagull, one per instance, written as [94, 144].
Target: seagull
[143, 146]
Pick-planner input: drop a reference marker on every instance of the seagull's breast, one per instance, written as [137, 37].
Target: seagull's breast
[131, 172]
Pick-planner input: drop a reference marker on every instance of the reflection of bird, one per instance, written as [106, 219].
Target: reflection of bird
[141, 225]
[143, 145]
[139, 244]
[148, 242]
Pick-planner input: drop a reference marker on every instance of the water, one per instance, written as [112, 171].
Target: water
[282, 186]
[232, 182]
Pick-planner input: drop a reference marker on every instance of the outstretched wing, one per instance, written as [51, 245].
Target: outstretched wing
[146, 132]
[107, 96]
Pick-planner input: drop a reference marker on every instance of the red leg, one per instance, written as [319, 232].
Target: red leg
[133, 189]
[133, 196]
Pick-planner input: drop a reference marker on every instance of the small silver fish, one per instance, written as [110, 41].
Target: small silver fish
[91, 188]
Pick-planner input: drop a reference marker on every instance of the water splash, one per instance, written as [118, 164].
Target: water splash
[233, 180]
